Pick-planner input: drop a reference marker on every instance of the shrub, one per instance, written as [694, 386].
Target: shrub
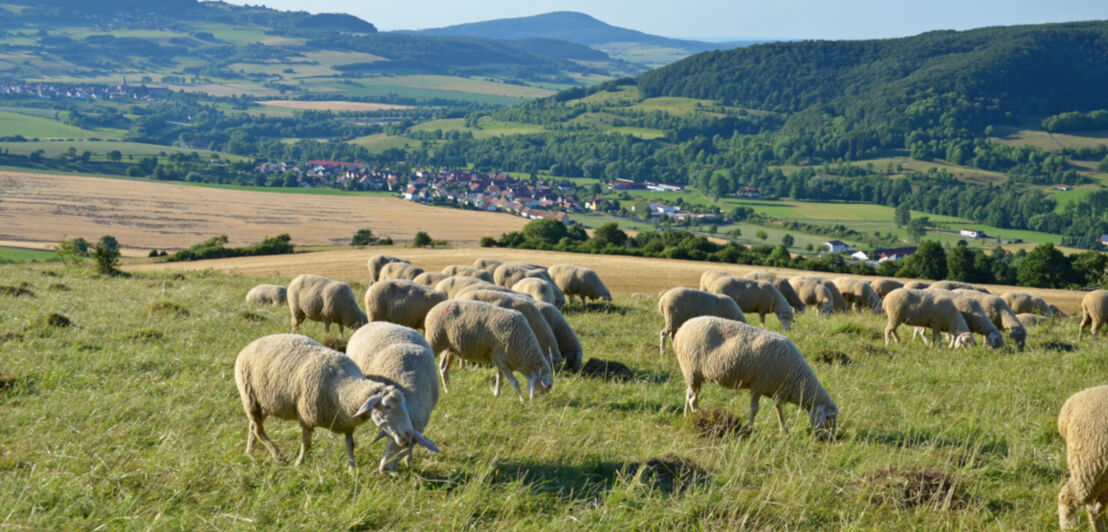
[107, 255]
[422, 239]
[364, 237]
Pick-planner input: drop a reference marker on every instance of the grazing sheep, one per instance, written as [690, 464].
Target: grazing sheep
[1021, 302]
[858, 294]
[542, 290]
[507, 275]
[532, 266]
[1029, 319]
[490, 287]
[883, 286]
[736, 356]
[976, 318]
[711, 276]
[543, 333]
[430, 278]
[1057, 312]
[1084, 427]
[489, 265]
[1000, 314]
[925, 309]
[813, 293]
[267, 294]
[294, 377]
[471, 271]
[916, 285]
[409, 366]
[955, 285]
[568, 344]
[783, 286]
[1094, 312]
[400, 301]
[376, 262]
[581, 282]
[680, 304]
[318, 298]
[399, 270]
[485, 333]
[453, 285]
[755, 296]
[836, 296]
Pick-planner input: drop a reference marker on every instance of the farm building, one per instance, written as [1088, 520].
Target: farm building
[835, 246]
[972, 233]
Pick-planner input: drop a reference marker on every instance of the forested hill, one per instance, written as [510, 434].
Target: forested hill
[1022, 70]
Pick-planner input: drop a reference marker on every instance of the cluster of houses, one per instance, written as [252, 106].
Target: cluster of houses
[501, 192]
[873, 258]
[122, 91]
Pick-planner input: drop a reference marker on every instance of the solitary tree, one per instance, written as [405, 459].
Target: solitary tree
[902, 215]
[788, 240]
[107, 254]
[364, 237]
[422, 239]
[761, 234]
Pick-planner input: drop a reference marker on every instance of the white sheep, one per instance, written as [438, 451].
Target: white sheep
[453, 285]
[813, 293]
[836, 296]
[318, 298]
[1084, 427]
[1021, 302]
[883, 286]
[487, 264]
[507, 275]
[709, 277]
[579, 282]
[267, 294]
[294, 377]
[525, 305]
[974, 314]
[399, 270]
[755, 296]
[1000, 314]
[399, 356]
[1029, 319]
[472, 271]
[858, 294]
[430, 278]
[541, 290]
[955, 285]
[481, 332]
[782, 285]
[678, 305]
[926, 309]
[400, 301]
[376, 262]
[916, 285]
[735, 355]
[1094, 312]
[568, 343]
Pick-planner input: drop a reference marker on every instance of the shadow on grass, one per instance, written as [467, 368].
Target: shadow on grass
[613, 371]
[595, 307]
[924, 438]
[584, 482]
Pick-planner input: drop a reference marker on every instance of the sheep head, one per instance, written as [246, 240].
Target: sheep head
[539, 384]
[389, 411]
[964, 340]
[995, 340]
[1019, 336]
[786, 320]
[825, 421]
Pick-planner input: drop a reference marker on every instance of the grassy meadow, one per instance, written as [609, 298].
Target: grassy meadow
[129, 418]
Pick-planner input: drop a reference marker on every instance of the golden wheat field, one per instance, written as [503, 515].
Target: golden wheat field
[332, 105]
[143, 215]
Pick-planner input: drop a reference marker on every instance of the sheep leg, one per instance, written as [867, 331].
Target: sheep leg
[444, 369]
[507, 373]
[1086, 321]
[891, 331]
[350, 450]
[754, 398]
[1067, 509]
[692, 399]
[921, 333]
[257, 431]
[496, 387]
[780, 416]
[762, 319]
[936, 335]
[305, 443]
[662, 342]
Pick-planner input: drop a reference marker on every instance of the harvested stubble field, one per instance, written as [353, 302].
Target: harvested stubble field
[129, 418]
[146, 215]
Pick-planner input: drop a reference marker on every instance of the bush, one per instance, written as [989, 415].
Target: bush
[364, 237]
[106, 253]
[422, 239]
[215, 248]
[488, 242]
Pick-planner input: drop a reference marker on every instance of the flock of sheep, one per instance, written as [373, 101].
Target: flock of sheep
[508, 316]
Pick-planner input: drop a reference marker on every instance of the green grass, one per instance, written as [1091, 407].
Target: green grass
[24, 255]
[100, 149]
[381, 142]
[486, 127]
[12, 124]
[131, 417]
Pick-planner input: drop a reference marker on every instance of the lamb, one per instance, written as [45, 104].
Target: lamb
[541, 290]
[883, 286]
[294, 377]
[917, 285]
[400, 301]
[376, 262]
[836, 296]
[318, 298]
[813, 293]
[1084, 427]
[1094, 312]
[711, 276]
[453, 285]
[1000, 314]
[489, 265]
[543, 333]
[399, 270]
[267, 294]
[471, 271]
[430, 278]
[976, 318]
[858, 294]
[383, 352]
[783, 286]
[583, 283]
[482, 332]
[680, 304]
[507, 275]
[736, 356]
[1022, 302]
[955, 285]
[756, 296]
[925, 309]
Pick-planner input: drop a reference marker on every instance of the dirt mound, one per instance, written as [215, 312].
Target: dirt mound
[16, 291]
[59, 287]
[11, 337]
[169, 307]
[56, 320]
[834, 358]
[915, 487]
[249, 316]
[716, 423]
[669, 472]
[607, 370]
[1062, 347]
[338, 344]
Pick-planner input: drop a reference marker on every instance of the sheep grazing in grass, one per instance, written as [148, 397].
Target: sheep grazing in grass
[481, 332]
[399, 270]
[925, 309]
[541, 290]
[680, 304]
[955, 285]
[399, 356]
[858, 294]
[453, 285]
[1094, 312]
[471, 271]
[579, 282]
[400, 301]
[882, 287]
[839, 304]
[487, 264]
[1021, 302]
[294, 377]
[916, 285]
[376, 262]
[813, 294]
[736, 356]
[507, 275]
[568, 344]
[711, 276]
[543, 333]
[782, 285]
[755, 296]
[1029, 319]
[430, 278]
[1000, 314]
[974, 314]
[318, 298]
[1084, 427]
[267, 294]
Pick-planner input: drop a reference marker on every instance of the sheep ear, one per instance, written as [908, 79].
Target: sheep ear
[369, 405]
[430, 445]
[820, 417]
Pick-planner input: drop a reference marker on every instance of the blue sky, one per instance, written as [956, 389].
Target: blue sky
[720, 19]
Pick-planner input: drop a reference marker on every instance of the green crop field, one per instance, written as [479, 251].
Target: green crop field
[100, 149]
[8, 255]
[1048, 141]
[381, 142]
[130, 417]
[12, 124]
[486, 127]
